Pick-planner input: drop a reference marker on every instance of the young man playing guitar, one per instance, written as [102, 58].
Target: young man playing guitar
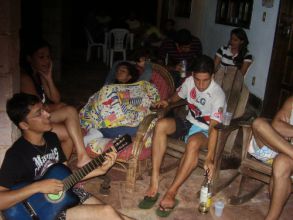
[36, 152]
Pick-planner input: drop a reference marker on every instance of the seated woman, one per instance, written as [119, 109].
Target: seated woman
[118, 108]
[146, 72]
[36, 78]
[236, 53]
[125, 73]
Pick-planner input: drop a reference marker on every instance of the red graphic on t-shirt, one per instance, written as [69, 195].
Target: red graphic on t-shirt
[193, 93]
[218, 115]
[207, 118]
[194, 109]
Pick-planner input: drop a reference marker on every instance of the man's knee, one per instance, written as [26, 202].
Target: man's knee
[164, 125]
[69, 110]
[282, 166]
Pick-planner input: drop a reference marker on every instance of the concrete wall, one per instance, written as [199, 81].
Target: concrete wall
[261, 36]
[9, 68]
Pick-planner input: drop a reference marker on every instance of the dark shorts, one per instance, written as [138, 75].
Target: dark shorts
[182, 128]
[82, 195]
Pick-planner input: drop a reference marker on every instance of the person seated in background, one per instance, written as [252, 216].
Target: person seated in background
[271, 144]
[183, 47]
[36, 78]
[133, 22]
[152, 36]
[32, 156]
[236, 53]
[168, 29]
[206, 101]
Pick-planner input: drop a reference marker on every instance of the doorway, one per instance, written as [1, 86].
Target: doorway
[280, 78]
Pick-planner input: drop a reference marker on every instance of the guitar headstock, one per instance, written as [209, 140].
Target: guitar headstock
[122, 142]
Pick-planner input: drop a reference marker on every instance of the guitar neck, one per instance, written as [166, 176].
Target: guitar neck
[86, 169]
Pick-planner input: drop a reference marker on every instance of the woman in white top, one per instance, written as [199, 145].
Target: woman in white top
[236, 53]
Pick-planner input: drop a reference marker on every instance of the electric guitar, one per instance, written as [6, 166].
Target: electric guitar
[47, 206]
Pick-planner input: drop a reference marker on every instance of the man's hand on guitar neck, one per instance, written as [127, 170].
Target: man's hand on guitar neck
[109, 162]
[46, 186]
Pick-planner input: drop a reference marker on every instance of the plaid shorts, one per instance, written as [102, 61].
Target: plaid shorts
[82, 195]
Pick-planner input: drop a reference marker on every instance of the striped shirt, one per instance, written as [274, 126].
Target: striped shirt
[174, 56]
[227, 57]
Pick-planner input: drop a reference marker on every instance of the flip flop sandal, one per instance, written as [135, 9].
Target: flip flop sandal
[148, 201]
[166, 211]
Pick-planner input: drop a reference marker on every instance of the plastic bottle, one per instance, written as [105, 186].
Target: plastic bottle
[183, 69]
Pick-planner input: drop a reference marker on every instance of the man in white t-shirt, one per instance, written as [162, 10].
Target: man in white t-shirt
[206, 101]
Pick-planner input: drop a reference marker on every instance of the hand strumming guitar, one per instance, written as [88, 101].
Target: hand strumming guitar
[46, 186]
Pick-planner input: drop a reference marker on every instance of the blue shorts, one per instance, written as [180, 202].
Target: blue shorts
[196, 129]
[184, 129]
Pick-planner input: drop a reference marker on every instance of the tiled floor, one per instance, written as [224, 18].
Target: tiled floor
[79, 81]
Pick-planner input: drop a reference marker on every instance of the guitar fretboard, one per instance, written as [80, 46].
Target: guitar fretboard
[86, 169]
[78, 175]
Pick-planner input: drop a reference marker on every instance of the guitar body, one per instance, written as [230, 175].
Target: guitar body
[47, 207]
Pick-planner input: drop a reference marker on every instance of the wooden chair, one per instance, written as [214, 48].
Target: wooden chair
[237, 95]
[250, 168]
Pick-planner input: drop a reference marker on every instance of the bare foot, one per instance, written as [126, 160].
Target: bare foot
[153, 188]
[83, 160]
[152, 191]
[168, 200]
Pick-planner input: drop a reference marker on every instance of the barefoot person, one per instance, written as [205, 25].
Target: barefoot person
[271, 142]
[32, 155]
[206, 102]
[36, 78]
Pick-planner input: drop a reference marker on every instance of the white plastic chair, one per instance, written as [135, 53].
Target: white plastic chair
[91, 43]
[118, 41]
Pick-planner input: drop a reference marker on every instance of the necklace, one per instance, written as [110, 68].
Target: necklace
[40, 148]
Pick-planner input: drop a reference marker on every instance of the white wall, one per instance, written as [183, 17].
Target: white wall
[261, 36]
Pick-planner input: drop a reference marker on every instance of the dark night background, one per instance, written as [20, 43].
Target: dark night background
[31, 14]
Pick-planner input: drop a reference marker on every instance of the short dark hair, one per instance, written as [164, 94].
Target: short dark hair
[131, 69]
[202, 64]
[183, 37]
[35, 45]
[17, 107]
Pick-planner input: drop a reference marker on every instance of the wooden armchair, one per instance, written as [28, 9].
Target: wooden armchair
[250, 168]
[133, 161]
[236, 96]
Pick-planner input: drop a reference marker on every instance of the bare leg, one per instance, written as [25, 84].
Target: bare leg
[66, 142]
[69, 116]
[281, 185]
[93, 209]
[188, 162]
[265, 134]
[163, 128]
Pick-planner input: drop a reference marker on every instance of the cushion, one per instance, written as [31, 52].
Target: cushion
[161, 85]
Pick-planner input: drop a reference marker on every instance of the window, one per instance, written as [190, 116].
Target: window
[234, 12]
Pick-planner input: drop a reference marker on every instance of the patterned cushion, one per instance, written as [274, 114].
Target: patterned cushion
[123, 155]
